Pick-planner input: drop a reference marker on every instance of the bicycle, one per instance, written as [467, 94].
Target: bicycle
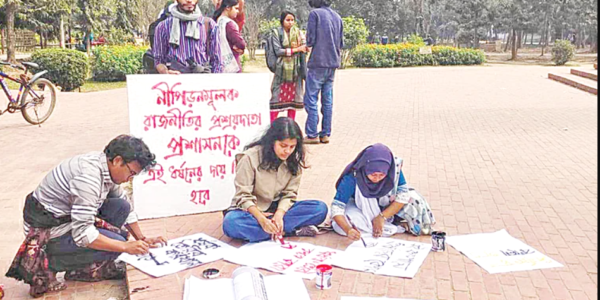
[34, 93]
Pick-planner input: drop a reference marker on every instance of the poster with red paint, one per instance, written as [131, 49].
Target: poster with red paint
[195, 124]
[290, 258]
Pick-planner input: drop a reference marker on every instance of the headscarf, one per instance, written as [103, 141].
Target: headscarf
[375, 158]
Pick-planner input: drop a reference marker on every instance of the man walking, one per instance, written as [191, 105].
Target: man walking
[325, 38]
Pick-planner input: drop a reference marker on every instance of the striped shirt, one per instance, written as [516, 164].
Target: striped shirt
[77, 187]
[164, 52]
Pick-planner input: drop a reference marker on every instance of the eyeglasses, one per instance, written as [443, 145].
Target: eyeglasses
[131, 172]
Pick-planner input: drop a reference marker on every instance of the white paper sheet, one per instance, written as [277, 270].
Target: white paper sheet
[499, 252]
[299, 259]
[278, 287]
[180, 254]
[373, 298]
[384, 256]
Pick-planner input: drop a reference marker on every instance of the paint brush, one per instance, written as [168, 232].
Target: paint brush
[279, 237]
[354, 227]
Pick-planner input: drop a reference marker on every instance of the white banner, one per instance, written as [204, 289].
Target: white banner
[291, 258]
[195, 124]
[499, 252]
[384, 256]
[180, 254]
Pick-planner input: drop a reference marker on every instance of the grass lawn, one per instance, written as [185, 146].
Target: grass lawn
[95, 86]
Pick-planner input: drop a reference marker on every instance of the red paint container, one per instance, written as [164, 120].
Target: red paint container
[323, 279]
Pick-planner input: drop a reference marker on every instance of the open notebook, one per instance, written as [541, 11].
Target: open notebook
[246, 284]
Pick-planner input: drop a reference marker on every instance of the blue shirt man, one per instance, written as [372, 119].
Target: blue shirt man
[325, 36]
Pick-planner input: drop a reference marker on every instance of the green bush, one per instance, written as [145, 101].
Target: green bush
[562, 52]
[415, 39]
[67, 68]
[267, 26]
[406, 55]
[355, 33]
[113, 63]
[119, 36]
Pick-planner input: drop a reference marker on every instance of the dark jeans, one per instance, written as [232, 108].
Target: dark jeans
[65, 255]
[319, 81]
[239, 224]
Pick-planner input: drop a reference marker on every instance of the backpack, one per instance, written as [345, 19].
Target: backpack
[152, 27]
[148, 57]
[270, 54]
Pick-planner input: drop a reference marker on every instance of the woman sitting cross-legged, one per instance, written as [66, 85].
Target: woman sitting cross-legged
[267, 179]
[372, 195]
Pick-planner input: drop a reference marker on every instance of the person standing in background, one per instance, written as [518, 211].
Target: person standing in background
[287, 90]
[240, 19]
[232, 43]
[325, 36]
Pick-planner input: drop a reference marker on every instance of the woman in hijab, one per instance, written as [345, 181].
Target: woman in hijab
[373, 198]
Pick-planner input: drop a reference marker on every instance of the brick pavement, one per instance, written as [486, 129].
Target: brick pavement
[490, 147]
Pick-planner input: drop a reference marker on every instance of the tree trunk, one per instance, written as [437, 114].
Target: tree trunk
[531, 42]
[88, 44]
[524, 40]
[519, 39]
[2, 40]
[62, 32]
[513, 55]
[45, 40]
[546, 36]
[11, 10]
[508, 41]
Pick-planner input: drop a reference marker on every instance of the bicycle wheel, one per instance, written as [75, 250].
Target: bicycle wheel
[38, 101]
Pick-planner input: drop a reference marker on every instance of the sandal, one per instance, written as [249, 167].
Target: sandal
[39, 291]
[107, 270]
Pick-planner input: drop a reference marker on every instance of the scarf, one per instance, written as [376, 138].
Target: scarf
[291, 63]
[193, 27]
[375, 158]
[228, 62]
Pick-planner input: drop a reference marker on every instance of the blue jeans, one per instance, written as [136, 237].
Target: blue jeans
[239, 224]
[65, 255]
[319, 80]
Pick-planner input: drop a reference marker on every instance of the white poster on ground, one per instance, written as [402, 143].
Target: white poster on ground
[291, 258]
[373, 298]
[384, 256]
[499, 252]
[247, 284]
[179, 254]
[195, 124]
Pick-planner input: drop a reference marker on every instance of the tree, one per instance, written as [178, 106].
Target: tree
[355, 33]
[11, 10]
[472, 18]
[127, 17]
[254, 14]
[45, 16]
[95, 16]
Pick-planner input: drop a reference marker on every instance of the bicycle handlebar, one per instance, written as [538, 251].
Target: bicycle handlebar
[4, 63]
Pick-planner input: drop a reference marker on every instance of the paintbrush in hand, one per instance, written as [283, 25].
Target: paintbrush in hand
[354, 227]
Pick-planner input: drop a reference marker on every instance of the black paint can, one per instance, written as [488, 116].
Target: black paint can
[438, 241]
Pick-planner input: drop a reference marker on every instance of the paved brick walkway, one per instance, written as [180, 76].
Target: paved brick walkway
[489, 147]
